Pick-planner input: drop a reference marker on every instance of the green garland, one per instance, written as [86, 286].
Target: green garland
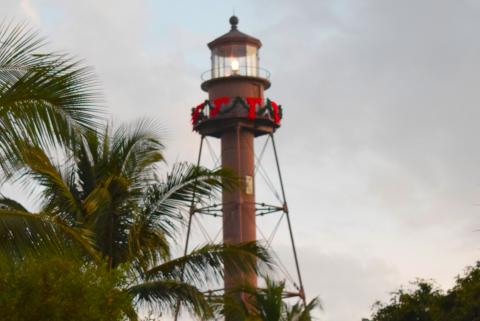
[224, 105]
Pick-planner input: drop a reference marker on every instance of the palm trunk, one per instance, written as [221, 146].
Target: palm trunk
[110, 241]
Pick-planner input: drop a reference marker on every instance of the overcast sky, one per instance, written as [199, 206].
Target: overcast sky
[379, 145]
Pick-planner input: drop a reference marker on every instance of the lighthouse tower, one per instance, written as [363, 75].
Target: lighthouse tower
[236, 112]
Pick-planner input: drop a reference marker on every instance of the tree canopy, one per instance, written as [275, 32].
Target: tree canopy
[426, 302]
[53, 288]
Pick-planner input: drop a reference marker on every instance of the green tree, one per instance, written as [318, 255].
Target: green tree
[56, 288]
[425, 302]
[419, 304]
[462, 302]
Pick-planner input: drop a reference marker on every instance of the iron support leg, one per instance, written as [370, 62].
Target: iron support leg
[297, 265]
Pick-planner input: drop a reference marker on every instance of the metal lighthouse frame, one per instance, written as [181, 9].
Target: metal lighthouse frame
[236, 112]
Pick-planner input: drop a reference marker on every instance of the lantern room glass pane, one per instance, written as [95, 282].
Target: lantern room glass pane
[234, 59]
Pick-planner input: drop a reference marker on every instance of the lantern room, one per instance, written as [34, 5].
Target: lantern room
[235, 54]
[234, 59]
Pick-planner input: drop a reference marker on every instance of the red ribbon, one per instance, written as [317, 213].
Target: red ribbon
[276, 115]
[252, 102]
[217, 103]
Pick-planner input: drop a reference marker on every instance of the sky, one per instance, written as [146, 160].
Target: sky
[379, 142]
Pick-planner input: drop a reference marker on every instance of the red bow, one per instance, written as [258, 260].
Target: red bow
[252, 102]
[217, 103]
[276, 115]
[196, 112]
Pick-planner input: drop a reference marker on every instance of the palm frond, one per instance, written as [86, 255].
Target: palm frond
[184, 183]
[265, 304]
[148, 242]
[166, 294]
[136, 146]
[19, 47]
[57, 183]
[45, 97]
[301, 312]
[24, 233]
[86, 159]
[8, 203]
[268, 302]
[206, 264]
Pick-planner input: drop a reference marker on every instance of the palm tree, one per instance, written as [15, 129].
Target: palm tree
[268, 304]
[45, 97]
[106, 197]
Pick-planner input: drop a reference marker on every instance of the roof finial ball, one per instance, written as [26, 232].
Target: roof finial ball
[234, 22]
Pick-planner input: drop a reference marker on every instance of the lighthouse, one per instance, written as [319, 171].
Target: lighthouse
[237, 113]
